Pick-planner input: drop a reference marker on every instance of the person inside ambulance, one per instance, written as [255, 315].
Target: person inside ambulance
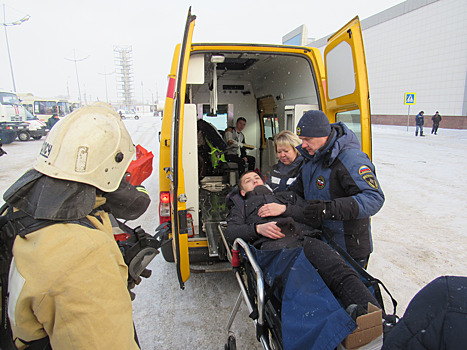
[68, 279]
[236, 147]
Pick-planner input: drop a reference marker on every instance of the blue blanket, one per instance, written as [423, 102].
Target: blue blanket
[312, 318]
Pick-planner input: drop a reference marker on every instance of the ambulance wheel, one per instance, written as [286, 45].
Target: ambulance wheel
[38, 137]
[23, 136]
[167, 252]
[136, 117]
[231, 343]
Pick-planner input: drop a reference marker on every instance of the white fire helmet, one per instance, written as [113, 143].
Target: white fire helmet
[91, 145]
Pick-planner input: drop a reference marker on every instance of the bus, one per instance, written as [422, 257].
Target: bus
[271, 86]
[44, 108]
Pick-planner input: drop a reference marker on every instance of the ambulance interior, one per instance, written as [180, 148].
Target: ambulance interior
[270, 90]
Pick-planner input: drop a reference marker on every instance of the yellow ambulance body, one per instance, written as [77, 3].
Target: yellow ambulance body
[271, 86]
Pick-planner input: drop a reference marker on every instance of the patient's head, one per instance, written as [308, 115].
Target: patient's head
[248, 181]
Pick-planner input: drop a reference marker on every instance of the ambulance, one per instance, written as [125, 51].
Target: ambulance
[271, 86]
[12, 117]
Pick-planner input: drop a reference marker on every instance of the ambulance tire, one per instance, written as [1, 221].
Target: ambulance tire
[136, 117]
[167, 252]
[38, 137]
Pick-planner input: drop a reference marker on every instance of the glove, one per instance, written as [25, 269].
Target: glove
[315, 212]
[287, 226]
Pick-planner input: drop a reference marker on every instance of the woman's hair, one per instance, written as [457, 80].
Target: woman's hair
[286, 138]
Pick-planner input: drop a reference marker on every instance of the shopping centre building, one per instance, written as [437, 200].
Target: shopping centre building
[419, 47]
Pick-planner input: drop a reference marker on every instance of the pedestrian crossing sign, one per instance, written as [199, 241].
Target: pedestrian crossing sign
[409, 98]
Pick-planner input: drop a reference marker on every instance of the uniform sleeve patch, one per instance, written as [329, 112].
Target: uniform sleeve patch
[320, 182]
[370, 180]
[364, 170]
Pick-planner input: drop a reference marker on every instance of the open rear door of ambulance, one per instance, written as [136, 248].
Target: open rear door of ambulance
[347, 92]
[178, 194]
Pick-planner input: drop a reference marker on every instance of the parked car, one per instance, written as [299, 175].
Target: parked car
[36, 128]
[128, 114]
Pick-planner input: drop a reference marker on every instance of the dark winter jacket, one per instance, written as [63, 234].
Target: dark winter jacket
[342, 174]
[52, 121]
[243, 217]
[436, 119]
[419, 120]
[283, 175]
[436, 318]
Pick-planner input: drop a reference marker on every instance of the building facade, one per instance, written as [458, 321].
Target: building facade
[418, 46]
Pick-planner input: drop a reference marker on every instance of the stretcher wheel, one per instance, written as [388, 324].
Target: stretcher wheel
[231, 343]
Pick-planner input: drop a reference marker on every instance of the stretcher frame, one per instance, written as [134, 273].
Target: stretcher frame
[257, 311]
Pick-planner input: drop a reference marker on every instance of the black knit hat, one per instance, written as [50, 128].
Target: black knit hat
[314, 124]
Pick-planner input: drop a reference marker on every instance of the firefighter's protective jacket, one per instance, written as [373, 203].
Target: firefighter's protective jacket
[70, 282]
[67, 281]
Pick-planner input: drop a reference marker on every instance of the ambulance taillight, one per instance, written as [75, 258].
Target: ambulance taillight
[164, 207]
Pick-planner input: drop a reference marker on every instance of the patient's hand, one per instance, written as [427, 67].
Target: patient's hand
[270, 230]
[271, 209]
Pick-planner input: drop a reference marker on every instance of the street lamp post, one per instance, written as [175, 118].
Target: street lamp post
[142, 95]
[105, 79]
[76, 70]
[5, 24]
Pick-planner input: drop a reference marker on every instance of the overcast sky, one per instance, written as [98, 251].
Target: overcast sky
[82, 29]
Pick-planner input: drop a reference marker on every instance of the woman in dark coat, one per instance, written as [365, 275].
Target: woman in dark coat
[285, 171]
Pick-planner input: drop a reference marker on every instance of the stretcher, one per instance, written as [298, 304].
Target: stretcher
[289, 303]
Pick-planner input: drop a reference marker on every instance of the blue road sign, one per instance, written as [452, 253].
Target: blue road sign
[409, 98]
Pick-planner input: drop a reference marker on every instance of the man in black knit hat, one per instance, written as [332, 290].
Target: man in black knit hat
[339, 182]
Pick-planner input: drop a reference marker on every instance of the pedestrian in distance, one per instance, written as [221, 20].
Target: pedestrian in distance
[54, 119]
[436, 119]
[419, 121]
[339, 182]
[284, 172]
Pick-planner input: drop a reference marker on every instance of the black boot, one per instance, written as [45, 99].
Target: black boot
[416, 133]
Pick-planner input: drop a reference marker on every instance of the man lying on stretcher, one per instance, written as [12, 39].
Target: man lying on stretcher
[257, 224]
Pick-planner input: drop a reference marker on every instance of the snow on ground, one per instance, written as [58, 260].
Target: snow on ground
[418, 235]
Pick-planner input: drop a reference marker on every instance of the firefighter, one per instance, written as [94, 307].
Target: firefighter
[68, 280]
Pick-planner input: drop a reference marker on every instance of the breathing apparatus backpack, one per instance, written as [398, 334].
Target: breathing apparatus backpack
[138, 249]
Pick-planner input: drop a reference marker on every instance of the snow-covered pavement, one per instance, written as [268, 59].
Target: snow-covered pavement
[418, 235]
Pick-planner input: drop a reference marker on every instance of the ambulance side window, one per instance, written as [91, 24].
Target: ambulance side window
[352, 120]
